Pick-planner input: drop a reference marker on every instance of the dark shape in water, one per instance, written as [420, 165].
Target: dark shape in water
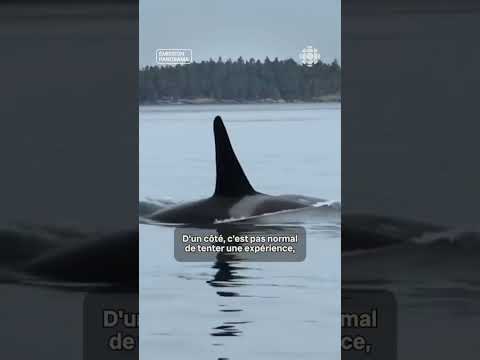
[362, 232]
[111, 260]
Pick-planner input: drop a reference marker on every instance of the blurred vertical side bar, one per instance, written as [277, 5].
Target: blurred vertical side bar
[69, 171]
[410, 194]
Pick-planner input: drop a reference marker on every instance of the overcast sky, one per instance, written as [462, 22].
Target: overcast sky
[248, 28]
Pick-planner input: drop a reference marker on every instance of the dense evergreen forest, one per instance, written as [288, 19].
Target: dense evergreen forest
[253, 80]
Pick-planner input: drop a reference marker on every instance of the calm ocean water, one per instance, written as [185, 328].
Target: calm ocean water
[262, 310]
[241, 310]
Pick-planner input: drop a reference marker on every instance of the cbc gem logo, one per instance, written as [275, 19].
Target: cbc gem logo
[309, 56]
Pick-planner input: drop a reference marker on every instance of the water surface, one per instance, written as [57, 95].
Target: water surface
[236, 310]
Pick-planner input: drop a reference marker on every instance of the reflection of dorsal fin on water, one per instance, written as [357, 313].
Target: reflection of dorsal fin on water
[231, 180]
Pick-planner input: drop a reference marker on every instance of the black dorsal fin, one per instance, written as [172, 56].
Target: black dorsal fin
[231, 180]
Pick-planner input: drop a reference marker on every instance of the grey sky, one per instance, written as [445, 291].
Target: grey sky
[248, 28]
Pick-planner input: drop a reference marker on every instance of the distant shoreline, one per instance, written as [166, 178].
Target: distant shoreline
[208, 101]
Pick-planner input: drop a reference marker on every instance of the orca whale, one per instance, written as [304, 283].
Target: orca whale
[100, 261]
[111, 259]
[234, 196]
[70, 259]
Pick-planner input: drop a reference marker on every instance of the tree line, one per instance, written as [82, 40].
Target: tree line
[240, 80]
